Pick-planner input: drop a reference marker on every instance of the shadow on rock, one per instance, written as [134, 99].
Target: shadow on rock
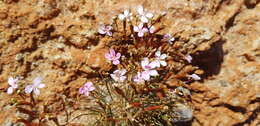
[210, 60]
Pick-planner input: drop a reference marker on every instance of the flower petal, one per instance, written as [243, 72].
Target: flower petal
[155, 63]
[114, 77]
[146, 75]
[153, 72]
[28, 89]
[37, 80]
[15, 86]
[11, 81]
[112, 52]
[10, 90]
[123, 71]
[195, 77]
[144, 19]
[41, 85]
[109, 33]
[101, 29]
[144, 30]
[140, 10]
[172, 39]
[118, 55]
[88, 84]
[158, 53]
[188, 58]
[166, 37]
[108, 56]
[101, 32]
[163, 63]
[91, 88]
[81, 90]
[144, 62]
[136, 29]
[122, 78]
[140, 26]
[126, 13]
[149, 15]
[116, 62]
[121, 16]
[36, 91]
[108, 28]
[152, 29]
[163, 56]
[140, 34]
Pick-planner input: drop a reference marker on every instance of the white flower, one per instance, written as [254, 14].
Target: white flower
[188, 58]
[105, 30]
[118, 75]
[159, 59]
[168, 38]
[148, 69]
[13, 85]
[34, 87]
[125, 16]
[194, 77]
[144, 16]
[140, 29]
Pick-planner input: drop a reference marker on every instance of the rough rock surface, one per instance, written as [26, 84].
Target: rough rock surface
[52, 39]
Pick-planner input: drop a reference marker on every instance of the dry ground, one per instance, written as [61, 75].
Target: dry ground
[49, 38]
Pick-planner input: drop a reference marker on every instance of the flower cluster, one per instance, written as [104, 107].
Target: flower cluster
[34, 87]
[140, 58]
[149, 67]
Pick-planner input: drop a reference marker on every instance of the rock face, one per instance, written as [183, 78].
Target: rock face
[54, 39]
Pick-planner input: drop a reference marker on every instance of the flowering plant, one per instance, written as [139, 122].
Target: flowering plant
[140, 55]
[145, 81]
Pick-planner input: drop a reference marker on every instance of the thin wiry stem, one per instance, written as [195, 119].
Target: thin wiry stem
[32, 98]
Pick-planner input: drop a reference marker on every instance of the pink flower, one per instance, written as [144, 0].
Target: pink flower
[138, 78]
[144, 16]
[34, 87]
[125, 16]
[194, 77]
[105, 30]
[159, 59]
[148, 69]
[113, 56]
[168, 38]
[188, 58]
[118, 75]
[140, 29]
[13, 85]
[86, 88]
